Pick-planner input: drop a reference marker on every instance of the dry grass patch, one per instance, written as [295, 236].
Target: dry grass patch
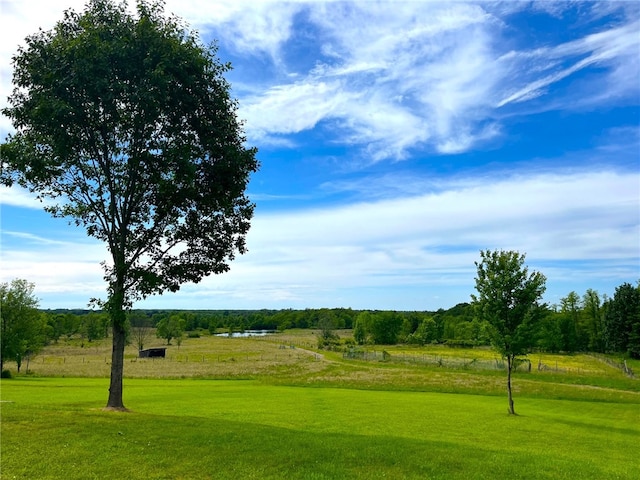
[208, 356]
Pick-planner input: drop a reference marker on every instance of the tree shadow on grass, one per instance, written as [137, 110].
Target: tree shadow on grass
[142, 446]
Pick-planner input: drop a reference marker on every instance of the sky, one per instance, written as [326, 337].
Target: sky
[397, 140]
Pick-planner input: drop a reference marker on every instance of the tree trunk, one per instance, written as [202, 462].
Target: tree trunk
[118, 318]
[509, 395]
[117, 369]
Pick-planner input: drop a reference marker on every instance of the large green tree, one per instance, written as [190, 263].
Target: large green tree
[592, 307]
[622, 321]
[361, 326]
[569, 320]
[21, 323]
[126, 122]
[507, 299]
[385, 327]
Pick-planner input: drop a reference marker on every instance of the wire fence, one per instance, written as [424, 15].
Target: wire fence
[179, 358]
[615, 364]
[435, 360]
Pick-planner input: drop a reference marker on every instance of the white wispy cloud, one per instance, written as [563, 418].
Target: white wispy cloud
[404, 77]
[249, 26]
[17, 196]
[434, 238]
[413, 242]
[293, 108]
[35, 239]
[60, 269]
[393, 75]
[479, 206]
[616, 49]
[433, 74]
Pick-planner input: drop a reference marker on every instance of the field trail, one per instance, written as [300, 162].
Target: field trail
[317, 355]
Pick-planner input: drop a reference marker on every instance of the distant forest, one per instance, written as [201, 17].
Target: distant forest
[578, 323]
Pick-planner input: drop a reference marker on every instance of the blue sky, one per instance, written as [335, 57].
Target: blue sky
[397, 140]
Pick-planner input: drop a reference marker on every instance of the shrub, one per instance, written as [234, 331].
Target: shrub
[330, 343]
[349, 342]
[451, 343]
[6, 374]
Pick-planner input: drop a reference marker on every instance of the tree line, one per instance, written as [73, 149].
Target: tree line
[587, 323]
[591, 322]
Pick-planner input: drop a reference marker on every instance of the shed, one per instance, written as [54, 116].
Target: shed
[152, 352]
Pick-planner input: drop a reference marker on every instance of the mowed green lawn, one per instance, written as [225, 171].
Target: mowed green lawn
[54, 428]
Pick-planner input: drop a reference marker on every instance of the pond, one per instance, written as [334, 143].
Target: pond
[248, 333]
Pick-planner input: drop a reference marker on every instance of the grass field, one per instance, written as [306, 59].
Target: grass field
[224, 408]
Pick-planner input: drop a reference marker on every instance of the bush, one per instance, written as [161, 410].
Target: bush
[414, 339]
[460, 343]
[6, 374]
[330, 343]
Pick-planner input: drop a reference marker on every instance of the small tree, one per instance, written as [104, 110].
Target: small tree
[140, 328]
[360, 327]
[327, 338]
[92, 326]
[170, 327]
[54, 326]
[126, 122]
[21, 323]
[508, 299]
[425, 333]
[592, 306]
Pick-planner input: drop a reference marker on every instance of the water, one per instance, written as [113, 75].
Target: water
[248, 333]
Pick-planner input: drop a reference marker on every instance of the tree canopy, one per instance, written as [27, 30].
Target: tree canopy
[127, 123]
[170, 327]
[622, 320]
[21, 323]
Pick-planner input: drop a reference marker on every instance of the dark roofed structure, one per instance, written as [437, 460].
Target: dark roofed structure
[152, 352]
